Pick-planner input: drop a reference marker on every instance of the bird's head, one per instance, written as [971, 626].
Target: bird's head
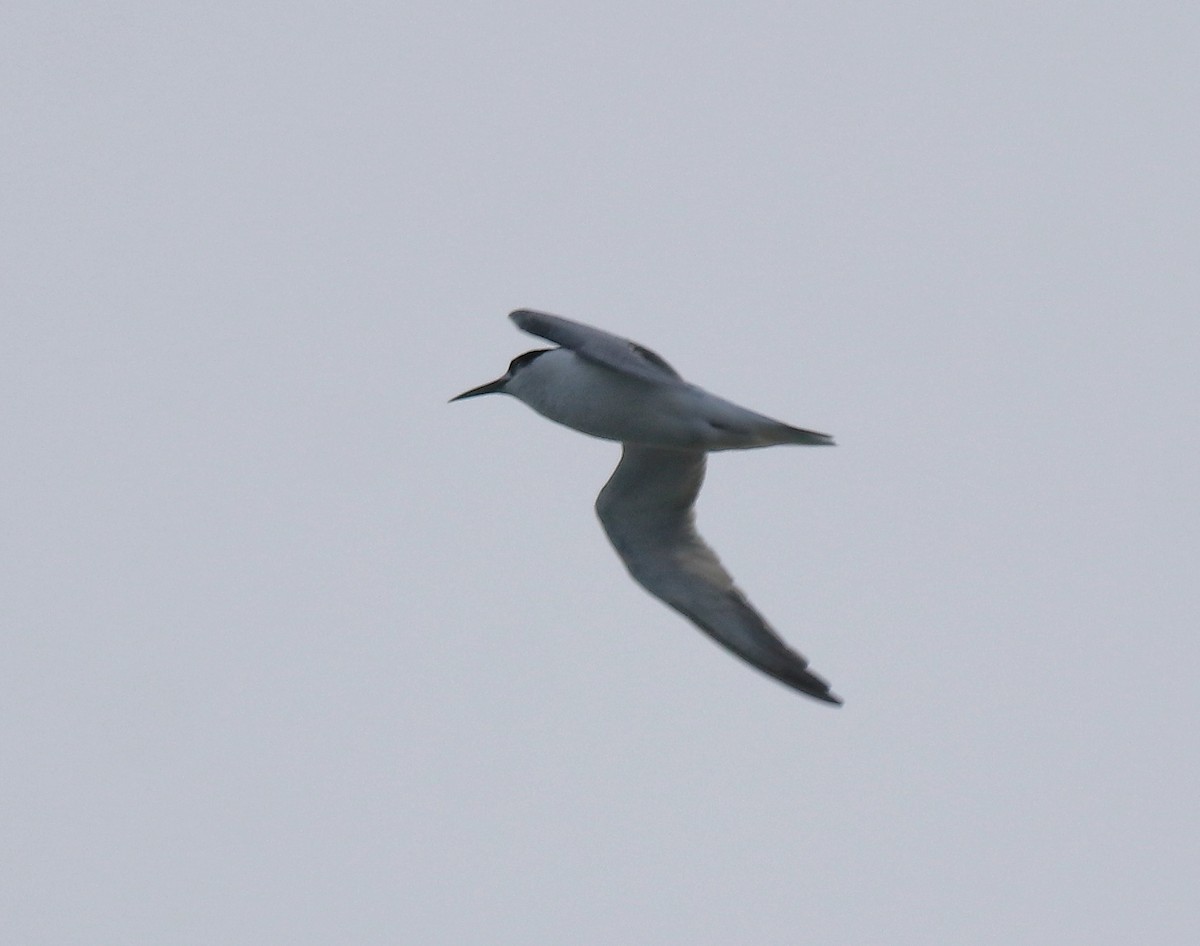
[500, 385]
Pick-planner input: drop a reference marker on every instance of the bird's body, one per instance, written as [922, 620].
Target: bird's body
[595, 400]
[609, 387]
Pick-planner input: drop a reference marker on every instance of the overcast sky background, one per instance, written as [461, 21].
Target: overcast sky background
[295, 652]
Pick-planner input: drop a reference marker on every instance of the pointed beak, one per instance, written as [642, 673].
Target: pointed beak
[492, 387]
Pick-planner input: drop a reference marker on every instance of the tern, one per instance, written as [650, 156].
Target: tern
[615, 389]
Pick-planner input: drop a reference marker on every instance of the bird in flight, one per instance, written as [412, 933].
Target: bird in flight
[615, 389]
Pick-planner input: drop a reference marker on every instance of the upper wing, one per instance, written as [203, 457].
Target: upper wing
[646, 509]
[612, 351]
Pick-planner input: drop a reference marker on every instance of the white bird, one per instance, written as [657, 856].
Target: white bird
[612, 388]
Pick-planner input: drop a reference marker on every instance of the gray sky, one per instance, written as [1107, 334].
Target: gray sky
[295, 652]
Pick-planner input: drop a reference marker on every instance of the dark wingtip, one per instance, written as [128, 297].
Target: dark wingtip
[810, 684]
[522, 317]
[809, 438]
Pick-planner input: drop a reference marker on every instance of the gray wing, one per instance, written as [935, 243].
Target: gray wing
[611, 351]
[646, 509]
